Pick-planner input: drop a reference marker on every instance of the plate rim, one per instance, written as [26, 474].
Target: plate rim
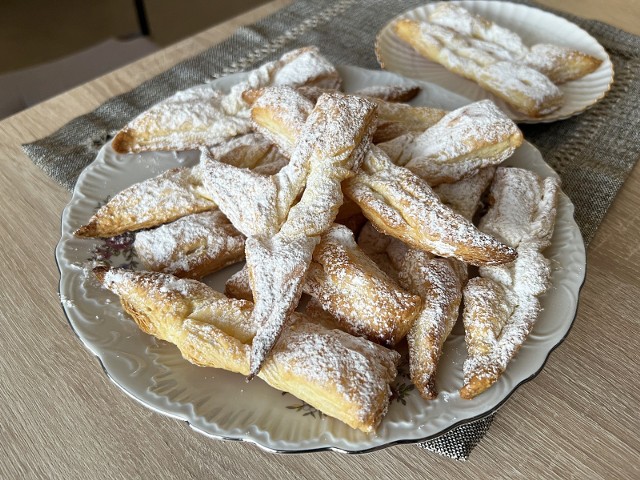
[58, 257]
[520, 119]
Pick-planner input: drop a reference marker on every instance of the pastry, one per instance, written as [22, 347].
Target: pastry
[501, 305]
[439, 282]
[522, 87]
[396, 119]
[393, 198]
[523, 207]
[351, 288]
[238, 285]
[458, 145]
[362, 298]
[390, 93]
[204, 116]
[343, 376]
[193, 246]
[281, 237]
[167, 197]
[403, 206]
[560, 64]
[178, 192]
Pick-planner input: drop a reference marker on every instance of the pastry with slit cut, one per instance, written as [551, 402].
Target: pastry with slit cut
[343, 376]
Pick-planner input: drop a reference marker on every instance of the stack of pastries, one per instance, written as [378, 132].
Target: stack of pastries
[496, 58]
[362, 203]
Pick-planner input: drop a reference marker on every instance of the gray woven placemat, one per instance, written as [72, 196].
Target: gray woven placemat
[593, 152]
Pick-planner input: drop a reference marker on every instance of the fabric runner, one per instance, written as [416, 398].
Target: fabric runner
[593, 152]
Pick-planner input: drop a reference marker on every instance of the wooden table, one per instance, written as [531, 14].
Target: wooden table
[61, 417]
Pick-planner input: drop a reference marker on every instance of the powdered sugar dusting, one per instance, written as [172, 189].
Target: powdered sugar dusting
[354, 370]
[362, 298]
[501, 306]
[193, 246]
[387, 192]
[462, 142]
[171, 195]
[485, 53]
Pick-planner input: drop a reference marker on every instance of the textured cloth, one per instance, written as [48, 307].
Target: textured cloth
[593, 152]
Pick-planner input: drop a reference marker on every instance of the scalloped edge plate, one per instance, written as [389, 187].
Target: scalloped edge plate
[533, 25]
[221, 404]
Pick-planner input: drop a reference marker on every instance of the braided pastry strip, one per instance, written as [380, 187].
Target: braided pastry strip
[343, 376]
[281, 236]
[397, 201]
[501, 305]
[204, 116]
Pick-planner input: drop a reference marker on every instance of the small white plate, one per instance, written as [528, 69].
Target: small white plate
[533, 25]
[221, 404]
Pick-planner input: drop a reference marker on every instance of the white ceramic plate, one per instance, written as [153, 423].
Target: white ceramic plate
[533, 25]
[222, 404]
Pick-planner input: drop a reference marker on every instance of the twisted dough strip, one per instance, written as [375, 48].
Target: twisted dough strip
[398, 202]
[560, 64]
[178, 191]
[464, 141]
[193, 246]
[350, 287]
[522, 87]
[438, 282]
[282, 237]
[501, 306]
[204, 116]
[343, 376]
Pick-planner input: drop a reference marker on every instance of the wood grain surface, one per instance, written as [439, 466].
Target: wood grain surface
[61, 417]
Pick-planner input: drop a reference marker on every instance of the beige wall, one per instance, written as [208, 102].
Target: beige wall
[36, 31]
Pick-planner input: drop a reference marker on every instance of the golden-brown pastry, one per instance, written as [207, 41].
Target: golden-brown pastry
[238, 285]
[251, 151]
[204, 116]
[395, 200]
[462, 142]
[501, 306]
[362, 298]
[497, 321]
[167, 197]
[522, 87]
[396, 119]
[193, 246]
[403, 206]
[439, 283]
[350, 287]
[390, 93]
[186, 120]
[560, 64]
[343, 376]
[281, 237]
[178, 192]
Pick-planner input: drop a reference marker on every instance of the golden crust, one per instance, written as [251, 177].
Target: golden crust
[501, 306]
[167, 197]
[394, 199]
[193, 246]
[462, 142]
[439, 283]
[203, 116]
[343, 376]
[361, 297]
[522, 87]
[402, 205]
